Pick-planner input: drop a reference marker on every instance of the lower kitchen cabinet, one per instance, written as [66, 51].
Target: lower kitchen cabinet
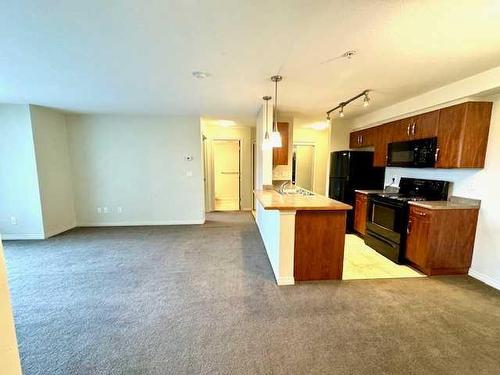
[360, 209]
[440, 241]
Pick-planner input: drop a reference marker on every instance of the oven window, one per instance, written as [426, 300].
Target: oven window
[383, 216]
[404, 156]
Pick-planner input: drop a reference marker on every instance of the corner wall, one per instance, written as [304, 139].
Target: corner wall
[54, 169]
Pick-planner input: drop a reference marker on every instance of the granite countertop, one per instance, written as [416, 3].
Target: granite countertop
[388, 189]
[272, 200]
[453, 203]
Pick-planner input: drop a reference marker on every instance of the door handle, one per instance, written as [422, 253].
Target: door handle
[436, 155]
[413, 127]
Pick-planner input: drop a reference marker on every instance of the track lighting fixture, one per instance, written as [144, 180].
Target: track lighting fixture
[366, 102]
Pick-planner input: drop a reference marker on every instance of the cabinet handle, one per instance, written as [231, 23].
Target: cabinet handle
[413, 127]
[408, 130]
[436, 155]
[408, 228]
[420, 213]
[361, 139]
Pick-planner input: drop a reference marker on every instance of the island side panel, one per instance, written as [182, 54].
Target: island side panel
[319, 245]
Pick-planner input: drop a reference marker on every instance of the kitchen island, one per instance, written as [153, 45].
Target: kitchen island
[303, 235]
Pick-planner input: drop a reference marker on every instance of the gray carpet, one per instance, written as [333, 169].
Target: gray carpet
[202, 300]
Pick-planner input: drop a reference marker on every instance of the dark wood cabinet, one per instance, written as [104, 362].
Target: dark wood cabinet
[280, 154]
[424, 125]
[360, 210]
[461, 130]
[440, 242]
[463, 135]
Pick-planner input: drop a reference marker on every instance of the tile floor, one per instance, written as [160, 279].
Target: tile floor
[362, 262]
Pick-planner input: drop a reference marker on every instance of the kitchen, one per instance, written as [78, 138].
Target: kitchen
[416, 223]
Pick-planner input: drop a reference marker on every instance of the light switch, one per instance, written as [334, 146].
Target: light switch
[189, 173]
[99, 210]
[119, 209]
[105, 210]
[13, 220]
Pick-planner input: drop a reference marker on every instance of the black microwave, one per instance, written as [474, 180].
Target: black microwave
[421, 153]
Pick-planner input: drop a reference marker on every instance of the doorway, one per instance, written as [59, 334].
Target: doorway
[226, 172]
[303, 166]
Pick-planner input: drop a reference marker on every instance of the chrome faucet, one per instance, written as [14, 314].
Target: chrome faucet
[281, 189]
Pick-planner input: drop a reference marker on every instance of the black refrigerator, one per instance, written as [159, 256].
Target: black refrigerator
[349, 171]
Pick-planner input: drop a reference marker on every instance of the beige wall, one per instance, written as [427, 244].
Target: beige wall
[472, 183]
[9, 354]
[320, 139]
[54, 169]
[136, 168]
[244, 135]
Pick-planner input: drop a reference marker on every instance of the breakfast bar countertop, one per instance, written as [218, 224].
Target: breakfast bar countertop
[272, 200]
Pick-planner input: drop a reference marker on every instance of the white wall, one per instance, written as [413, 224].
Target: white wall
[481, 184]
[54, 169]
[9, 354]
[243, 134]
[264, 158]
[136, 163]
[320, 140]
[19, 191]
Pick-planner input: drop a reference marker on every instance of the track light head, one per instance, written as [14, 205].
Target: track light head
[366, 100]
[341, 112]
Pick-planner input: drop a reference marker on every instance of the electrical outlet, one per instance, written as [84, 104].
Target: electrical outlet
[99, 210]
[189, 173]
[119, 209]
[13, 220]
[105, 209]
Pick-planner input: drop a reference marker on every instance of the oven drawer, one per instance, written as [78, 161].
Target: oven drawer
[387, 248]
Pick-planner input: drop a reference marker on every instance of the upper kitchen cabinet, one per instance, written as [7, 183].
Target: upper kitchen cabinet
[383, 135]
[416, 127]
[362, 138]
[463, 135]
[280, 154]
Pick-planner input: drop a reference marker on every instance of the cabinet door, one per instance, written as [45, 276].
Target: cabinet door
[280, 154]
[424, 125]
[450, 136]
[354, 140]
[383, 136]
[417, 240]
[360, 209]
[401, 130]
[367, 137]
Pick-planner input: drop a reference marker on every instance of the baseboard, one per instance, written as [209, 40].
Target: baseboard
[140, 223]
[15, 237]
[59, 230]
[485, 279]
[289, 280]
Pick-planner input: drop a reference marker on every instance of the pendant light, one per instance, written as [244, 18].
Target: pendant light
[266, 144]
[275, 135]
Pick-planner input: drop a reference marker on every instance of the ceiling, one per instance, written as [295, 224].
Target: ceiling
[128, 56]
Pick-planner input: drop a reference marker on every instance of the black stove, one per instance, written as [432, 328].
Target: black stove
[387, 217]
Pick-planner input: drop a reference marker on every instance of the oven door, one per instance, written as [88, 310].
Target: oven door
[386, 219]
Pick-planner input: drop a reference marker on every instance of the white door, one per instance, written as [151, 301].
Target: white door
[226, 158]
[304, 166]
